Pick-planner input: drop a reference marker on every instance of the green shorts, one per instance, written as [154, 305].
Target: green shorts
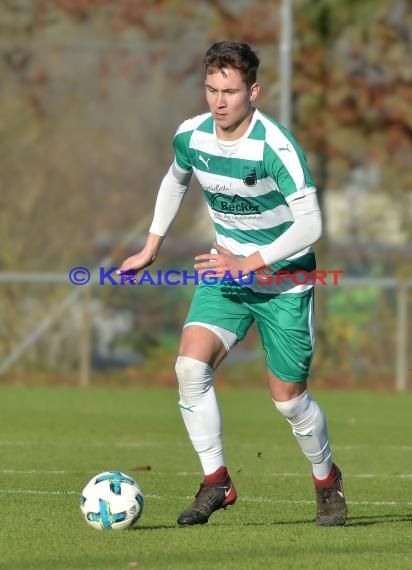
[285, 323]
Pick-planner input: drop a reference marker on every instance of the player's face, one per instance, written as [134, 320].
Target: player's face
[230, 102]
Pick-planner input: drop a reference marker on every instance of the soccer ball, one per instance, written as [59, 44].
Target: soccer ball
[111, 501]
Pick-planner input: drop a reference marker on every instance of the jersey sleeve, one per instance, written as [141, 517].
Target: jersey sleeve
[286, 163]
[182, 152]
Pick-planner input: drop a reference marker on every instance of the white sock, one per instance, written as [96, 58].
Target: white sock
[310, 430]
[200, 411]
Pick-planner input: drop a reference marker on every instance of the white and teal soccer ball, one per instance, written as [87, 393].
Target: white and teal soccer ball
[111, 501]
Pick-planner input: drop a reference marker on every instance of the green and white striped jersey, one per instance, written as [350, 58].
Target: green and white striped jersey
[247, 185]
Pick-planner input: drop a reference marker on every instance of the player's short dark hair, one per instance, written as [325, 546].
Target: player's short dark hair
[237, 55]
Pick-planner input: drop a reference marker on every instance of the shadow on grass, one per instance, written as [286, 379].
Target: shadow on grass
[279, 523]
[141, 527]
[351, 521]
[378, 519]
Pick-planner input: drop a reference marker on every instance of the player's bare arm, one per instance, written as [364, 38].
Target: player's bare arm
[144, 257]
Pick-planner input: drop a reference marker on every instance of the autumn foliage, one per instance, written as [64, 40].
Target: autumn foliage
[92, 91]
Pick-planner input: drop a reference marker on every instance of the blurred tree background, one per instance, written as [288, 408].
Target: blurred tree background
[91, 94]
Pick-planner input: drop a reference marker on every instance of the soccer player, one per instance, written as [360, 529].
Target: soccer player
[262, 201]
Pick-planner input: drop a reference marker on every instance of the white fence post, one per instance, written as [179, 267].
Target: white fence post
[85, 339]
[401, 338]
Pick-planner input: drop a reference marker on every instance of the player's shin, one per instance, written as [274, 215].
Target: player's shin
[310, 430]
[200, 411]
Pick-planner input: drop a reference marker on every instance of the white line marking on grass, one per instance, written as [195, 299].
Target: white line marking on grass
[351, 475]
[371, 445]
[16, 442]
[33, 472]
[245, 499]
[156, 443]
[41, 492]
[286, 475]
[308, 502]
[35, 492]
[279, 475]
[124, 444]
[57, 443]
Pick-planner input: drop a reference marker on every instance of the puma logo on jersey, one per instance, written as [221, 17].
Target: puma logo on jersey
[285, 148]
[205, 162]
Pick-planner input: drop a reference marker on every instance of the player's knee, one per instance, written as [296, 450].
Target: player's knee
[295, 407]
[303, 413]
[194, 377]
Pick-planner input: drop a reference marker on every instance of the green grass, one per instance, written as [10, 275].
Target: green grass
[54, 440]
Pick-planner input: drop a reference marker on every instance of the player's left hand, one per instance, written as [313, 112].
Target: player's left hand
[221, 263]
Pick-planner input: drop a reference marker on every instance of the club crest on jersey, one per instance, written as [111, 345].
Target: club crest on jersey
[249, 176]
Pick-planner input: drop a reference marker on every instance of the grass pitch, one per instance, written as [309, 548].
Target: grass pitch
[53, 441]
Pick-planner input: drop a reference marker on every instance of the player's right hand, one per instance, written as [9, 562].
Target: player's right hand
[132, 265]
[141, 259]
